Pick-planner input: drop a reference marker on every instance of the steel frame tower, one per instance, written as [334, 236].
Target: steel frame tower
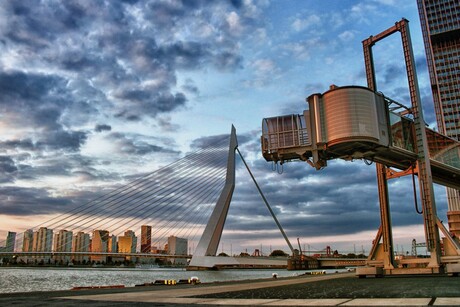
[440, 22]
[422, 166]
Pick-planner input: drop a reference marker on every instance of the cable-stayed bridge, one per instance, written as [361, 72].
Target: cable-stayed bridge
[187, 200]
[175, 200]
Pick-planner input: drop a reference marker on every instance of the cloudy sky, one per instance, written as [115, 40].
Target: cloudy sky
[96, 93]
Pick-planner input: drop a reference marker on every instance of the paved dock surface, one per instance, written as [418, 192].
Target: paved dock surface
[325, 290]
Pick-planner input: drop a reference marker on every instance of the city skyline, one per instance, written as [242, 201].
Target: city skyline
[95, 95]
[64, 241]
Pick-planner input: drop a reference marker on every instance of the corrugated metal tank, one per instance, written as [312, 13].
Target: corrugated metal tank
[353, 113]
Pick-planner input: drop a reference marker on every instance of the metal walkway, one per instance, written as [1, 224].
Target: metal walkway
[355, 123]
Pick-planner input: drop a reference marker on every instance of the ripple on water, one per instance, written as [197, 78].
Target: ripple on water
[48, 279]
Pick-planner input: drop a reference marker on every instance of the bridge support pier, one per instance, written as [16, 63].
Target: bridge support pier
[209, 242]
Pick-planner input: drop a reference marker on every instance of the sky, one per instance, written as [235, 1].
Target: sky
[96, 93]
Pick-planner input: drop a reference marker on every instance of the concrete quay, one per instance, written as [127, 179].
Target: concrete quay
[342, 289]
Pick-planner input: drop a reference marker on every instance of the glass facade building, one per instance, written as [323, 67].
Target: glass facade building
[146, 238]
[440, 22]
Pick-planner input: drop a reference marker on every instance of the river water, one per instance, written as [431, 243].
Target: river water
[48, 279]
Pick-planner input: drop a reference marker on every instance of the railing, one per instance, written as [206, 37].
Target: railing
[284, 132]
[441, 148]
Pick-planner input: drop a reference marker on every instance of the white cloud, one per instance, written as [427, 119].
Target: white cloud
[301, 24]
[298, 50]
[388, 2]
[347, 36]
[234, 23]
[264, 66]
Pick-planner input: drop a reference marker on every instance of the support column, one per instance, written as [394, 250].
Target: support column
[423, 161]
[385, 217]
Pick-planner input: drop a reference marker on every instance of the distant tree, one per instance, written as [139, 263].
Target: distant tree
[243, 254]
[222, 255]
[278, 253]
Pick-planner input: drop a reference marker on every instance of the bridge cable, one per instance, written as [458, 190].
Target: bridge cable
[266, 203]
[131, 187]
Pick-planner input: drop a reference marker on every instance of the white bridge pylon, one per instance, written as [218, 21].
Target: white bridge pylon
[204, 256]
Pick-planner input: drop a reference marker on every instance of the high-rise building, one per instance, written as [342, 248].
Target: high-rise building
[42, 240]
[63, 243]
[440, 22]
[113, 245]
[27, 240]
[100, 243]
[146, 238]
[81, 243]
[177, 246]
[127, 243]
[10, 241]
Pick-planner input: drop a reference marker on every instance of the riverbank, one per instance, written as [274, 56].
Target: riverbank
[329, 289]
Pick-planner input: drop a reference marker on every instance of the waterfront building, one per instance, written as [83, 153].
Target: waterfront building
[113, 244]
[440, 22]
[99, 244]
[127, 244]
[42, 242]
[10, 241]
[146, 239]
[63, 243]
[81, 243]
[177, 246]
[132, 234]
[27, 240]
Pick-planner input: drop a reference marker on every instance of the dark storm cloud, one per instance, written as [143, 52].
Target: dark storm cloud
[132, 144]
[19, 86]
[190, 87]
[18, 144]
[228, 61]
[29, 201]
[66, 140]
[102, 127]
[91, 39]
[393, 73]
[7, 165]
[209, 141]
[37, 98]
[151, 104]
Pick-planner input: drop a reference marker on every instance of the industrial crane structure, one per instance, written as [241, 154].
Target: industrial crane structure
[355, 122]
